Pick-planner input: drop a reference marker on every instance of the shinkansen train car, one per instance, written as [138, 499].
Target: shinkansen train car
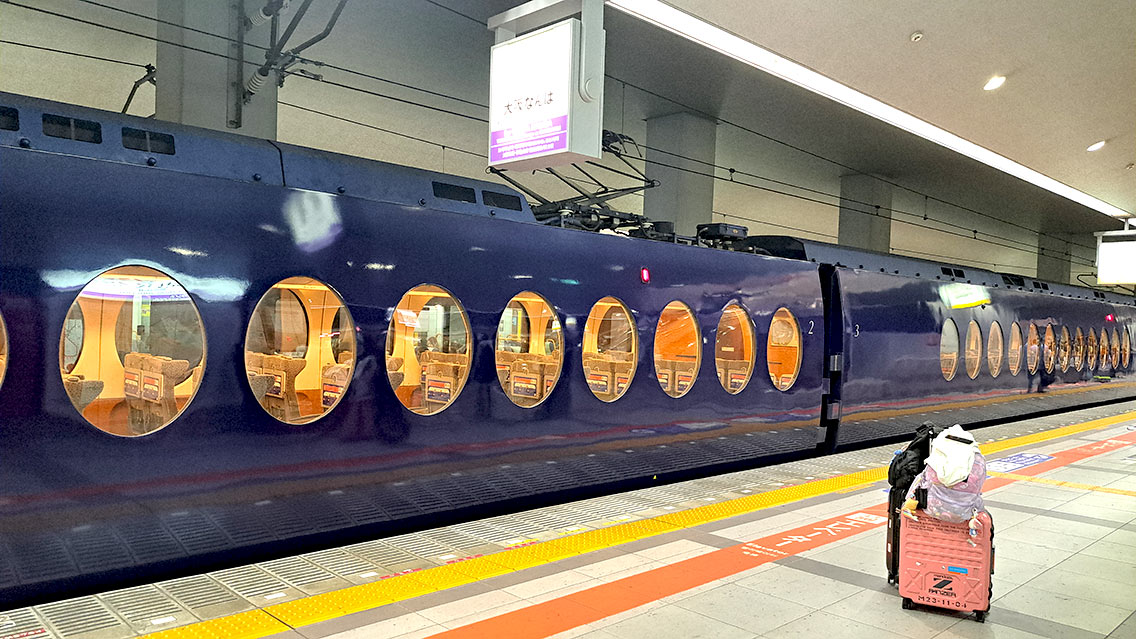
[912, 340]
[218, 349]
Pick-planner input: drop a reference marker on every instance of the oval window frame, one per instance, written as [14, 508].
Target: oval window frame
[674, 377]
[749, 337]
[994, 362]
[1049, 349]
[948, 375]
[1032, 333]
[1079, 349]
[141, 381]
[973, 330]
[1102, 358]
[548, 389]
[593, 378]
[249, 374]
[778, 381]
[5, 354]
[1126, 349]
[1014, 354]
[1114, 349]
[1091, 350]
[1064, 349]
[456, 390]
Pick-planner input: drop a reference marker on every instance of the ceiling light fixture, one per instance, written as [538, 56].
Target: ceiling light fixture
[712, 37]
[917, 36]
[994, 82]
[1096, 146]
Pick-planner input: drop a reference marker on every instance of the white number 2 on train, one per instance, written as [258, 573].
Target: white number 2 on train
[856, 331]
[810, 327]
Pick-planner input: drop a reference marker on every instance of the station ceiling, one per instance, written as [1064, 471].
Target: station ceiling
[1071, 70]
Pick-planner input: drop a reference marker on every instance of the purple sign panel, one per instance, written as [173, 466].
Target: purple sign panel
[537, 138]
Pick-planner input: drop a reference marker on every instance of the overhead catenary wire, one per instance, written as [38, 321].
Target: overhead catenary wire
[969, 235]
[88, 56]
[248, 63]
[312, 61]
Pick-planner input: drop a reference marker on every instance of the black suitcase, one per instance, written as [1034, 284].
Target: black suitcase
[906, 465]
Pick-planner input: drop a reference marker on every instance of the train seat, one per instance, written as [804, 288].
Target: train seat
[281, 399]
[82, 391]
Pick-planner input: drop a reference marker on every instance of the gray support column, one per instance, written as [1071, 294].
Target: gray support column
[1053, 262]
[194, 87]
[682, 197]
[862, 224]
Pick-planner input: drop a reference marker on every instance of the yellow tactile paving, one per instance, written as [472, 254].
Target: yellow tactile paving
[245, 625]
[1065, 484]
[272, 619]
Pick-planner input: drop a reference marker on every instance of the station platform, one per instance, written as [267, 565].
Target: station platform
[793, 550]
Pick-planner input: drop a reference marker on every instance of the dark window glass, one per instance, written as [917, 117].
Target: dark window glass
[9, 119]
[148, 141]
[454, 192]
[501, 200]
[57, 126]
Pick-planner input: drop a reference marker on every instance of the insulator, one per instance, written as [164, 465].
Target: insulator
[256, 81]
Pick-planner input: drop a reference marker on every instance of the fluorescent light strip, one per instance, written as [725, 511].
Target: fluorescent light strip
[726, 43]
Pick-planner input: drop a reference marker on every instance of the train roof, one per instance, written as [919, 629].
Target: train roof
[45, 125]
[826, 253]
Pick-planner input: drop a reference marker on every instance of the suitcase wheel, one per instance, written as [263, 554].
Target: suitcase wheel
[980, 616]
[908, 604]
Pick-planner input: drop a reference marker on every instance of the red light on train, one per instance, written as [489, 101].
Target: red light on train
[645, 275]
[1109, 318]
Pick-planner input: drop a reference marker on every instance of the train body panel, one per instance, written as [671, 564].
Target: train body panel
[225, 481]
[359, 348]
[893, 376]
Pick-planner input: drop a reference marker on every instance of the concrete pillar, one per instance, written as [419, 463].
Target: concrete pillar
[865, 213]
[197, 88]
[682, 197]
[1053, 262]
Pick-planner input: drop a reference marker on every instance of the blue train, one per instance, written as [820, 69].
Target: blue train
[215, 349]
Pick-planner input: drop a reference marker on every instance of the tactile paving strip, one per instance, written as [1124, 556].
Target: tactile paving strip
[438, 558]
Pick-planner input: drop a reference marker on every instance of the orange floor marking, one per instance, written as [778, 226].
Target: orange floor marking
[587, 606]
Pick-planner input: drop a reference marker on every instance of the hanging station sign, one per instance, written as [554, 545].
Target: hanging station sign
[545, 94]
[1116, 257]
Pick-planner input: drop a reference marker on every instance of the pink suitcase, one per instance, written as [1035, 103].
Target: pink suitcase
[937, 567]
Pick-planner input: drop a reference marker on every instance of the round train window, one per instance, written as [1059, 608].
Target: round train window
[71, 341]
[1091, 350]
[1115, 349]
[1033, 349]
[1014, 355]
[1064, 349]
[1079, 349]
[1104, 363]
[733, 349]
[783, 351]
[994, 348]
[678, 349]
[1050, 350]
[143, 388]
[528, 353]
[3, 350]
[1125, 350]
[949, 350]
[299, 350]
[973, 349]
[611, 349]
[429, 346]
